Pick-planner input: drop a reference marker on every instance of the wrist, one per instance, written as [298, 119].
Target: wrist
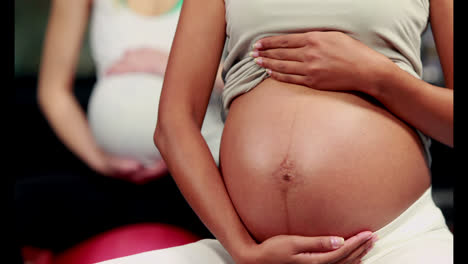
[247, 254]
[243, 250]
[382, 74]
[98, 162]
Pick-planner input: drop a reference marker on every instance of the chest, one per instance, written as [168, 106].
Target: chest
[360, 17]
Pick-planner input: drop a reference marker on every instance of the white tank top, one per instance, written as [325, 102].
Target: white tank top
[123, 109]
[116, 28]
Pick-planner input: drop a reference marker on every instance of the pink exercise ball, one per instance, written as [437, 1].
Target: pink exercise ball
[125, 241]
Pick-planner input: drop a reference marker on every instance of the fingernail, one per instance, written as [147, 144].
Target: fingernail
[257, 45]
[337, 242]
[268, 71]
[259, 61]
[254, 54]
[375, 237]
[367, 235]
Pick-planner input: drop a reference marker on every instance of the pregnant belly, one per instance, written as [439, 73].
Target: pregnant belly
[122, 114]
[307, 162]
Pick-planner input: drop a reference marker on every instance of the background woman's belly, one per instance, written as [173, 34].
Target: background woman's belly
[122, 114]
[307, 162]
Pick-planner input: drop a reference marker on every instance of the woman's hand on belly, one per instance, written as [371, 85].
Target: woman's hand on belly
[129, 169]
[147, 174]
[335, 61]
[328, 60]
[148, 60]
[318, 250]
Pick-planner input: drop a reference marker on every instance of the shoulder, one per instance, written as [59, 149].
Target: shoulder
[72, 4]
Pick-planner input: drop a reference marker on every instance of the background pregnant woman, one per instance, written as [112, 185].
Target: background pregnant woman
[130, 41]
[340, 146]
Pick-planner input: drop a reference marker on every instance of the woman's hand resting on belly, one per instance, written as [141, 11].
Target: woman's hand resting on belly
[304, 250]
[130, 169]
[334, 61]
[328, 60]
[147, 60]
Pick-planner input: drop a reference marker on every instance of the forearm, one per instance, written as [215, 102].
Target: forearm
[427, 107]
[62, 43]
[188, 83]
[194, 170]
[68, 121]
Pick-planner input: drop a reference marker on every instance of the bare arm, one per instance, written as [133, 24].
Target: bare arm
[63, 41]
[186, 90]
[190, 75]
[64, 35]
[427, 107]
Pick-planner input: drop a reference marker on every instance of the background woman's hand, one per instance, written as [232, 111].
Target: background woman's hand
[144, 59]
[311, 250]
[146, 174]
[130, 169]
[328, 60]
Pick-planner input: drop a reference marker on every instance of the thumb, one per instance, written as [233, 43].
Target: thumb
[318, 244]
[150, 173]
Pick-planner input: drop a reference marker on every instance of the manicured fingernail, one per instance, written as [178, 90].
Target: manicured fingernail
[257, 45]
[337, 242]
[259, 61]
[367, 235]
[268, 71]
[254, 54]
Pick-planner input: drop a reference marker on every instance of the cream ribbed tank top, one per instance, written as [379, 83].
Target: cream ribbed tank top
[392, 28]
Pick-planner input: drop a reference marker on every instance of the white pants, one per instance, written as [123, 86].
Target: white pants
[418, 236]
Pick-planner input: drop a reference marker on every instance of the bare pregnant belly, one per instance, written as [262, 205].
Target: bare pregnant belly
[301, 161]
